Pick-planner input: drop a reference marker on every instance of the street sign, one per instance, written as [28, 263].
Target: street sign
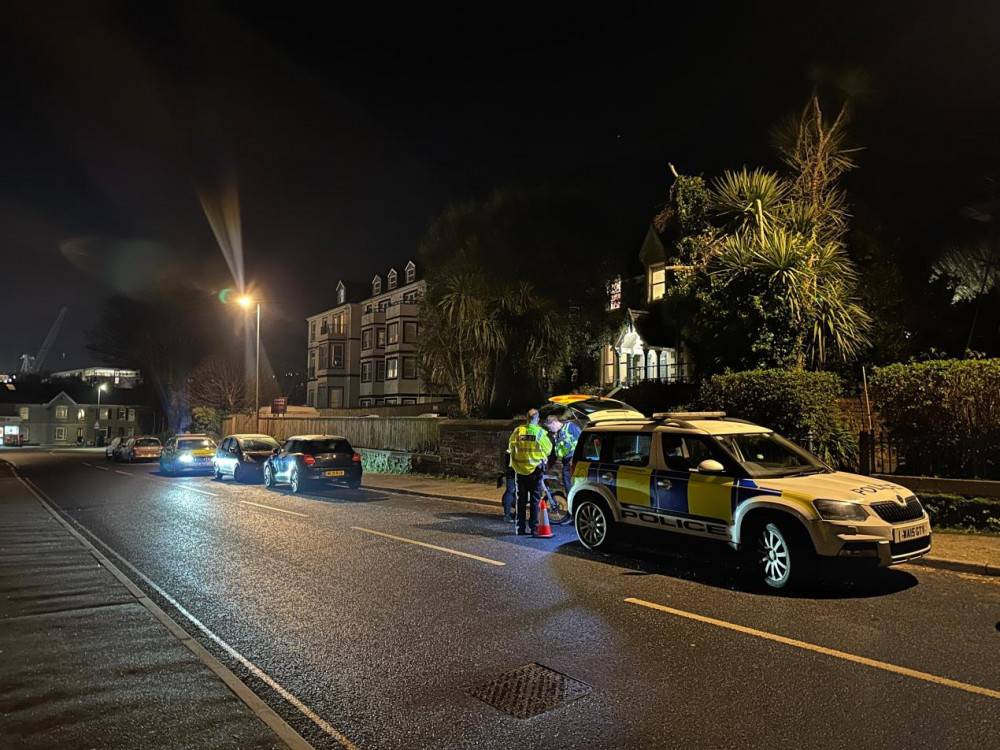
[279, 405]
[97, 425]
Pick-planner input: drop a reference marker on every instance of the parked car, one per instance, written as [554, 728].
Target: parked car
[112, 447]
[311, 459]
[142, 448]
[727, 479]
[187, 453]
[118, 454]
[243, 456]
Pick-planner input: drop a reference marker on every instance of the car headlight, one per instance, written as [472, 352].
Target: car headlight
[840, 510]
[186, 458]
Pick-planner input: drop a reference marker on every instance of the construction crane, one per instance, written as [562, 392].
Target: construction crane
[31, 364]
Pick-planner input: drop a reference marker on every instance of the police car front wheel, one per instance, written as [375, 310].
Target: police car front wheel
[594, 523]
[778, 555]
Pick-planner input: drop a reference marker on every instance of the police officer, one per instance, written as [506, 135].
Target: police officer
[564, 438]
[529, 451]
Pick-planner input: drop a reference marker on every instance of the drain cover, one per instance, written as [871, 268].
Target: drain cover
[529, 690]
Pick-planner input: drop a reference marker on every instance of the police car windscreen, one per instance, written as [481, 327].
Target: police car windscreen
[194, 445]
[765, 454]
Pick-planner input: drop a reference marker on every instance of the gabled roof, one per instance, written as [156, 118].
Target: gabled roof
[652, 250]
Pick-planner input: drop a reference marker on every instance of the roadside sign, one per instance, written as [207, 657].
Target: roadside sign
[279, 405]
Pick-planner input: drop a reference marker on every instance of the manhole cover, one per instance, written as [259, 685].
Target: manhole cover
[529, 690]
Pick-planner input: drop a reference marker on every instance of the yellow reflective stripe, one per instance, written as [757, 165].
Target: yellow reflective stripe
[710, 496]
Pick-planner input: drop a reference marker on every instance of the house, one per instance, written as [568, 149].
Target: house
[363, 351]
[55, 414]
[649, 346]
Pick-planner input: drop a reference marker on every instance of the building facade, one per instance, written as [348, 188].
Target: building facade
[62, 420]
[116, 376]
[363, 352]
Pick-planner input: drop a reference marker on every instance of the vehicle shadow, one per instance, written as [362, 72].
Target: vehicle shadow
[337, 495]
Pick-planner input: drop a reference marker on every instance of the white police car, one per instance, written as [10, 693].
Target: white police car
[702, 474]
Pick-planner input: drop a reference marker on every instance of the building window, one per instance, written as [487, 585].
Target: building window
[366, 338]
[391, 368]
[79, 434]
[23, 411]
[366, 402]
[324, 327]
[410, 297]
[366, 372]
[312, 364]
[383, 305]
[337, 356]
[312, 330]
[390, 402]
[324, 358]
[407, 401]
[321, 401]
[311, 398]
[376, 286]
[339, 323]
[651, 362]
[409, 333]
[341, 294]
[122, 413]
[380, 338]
[392, 279]
[131, 415]
[380, 370]
[368, 308]
[392, 332]
[336, 398]
[411, 272]
[615, 294]
[105, 413]
[657, 283]
[81, 415]
[60, 433]
[62, 412]
[409, 368]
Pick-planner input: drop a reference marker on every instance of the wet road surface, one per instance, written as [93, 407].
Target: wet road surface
[362, 618]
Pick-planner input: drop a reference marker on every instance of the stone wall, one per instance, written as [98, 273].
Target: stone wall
[474, 448]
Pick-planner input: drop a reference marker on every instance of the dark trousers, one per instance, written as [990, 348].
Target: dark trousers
[529, 488]
[567, 474]
[510, 495]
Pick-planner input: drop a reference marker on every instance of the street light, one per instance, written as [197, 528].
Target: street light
[245, 302]
[97, 424]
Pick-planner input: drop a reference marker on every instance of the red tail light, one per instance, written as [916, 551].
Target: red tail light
[307, 459]
[357, 457]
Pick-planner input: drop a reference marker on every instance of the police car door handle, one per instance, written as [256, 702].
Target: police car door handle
[664, 484]
[607, 476]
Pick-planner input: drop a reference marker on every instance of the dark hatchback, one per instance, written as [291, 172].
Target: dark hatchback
[306, 460]
[242, 457]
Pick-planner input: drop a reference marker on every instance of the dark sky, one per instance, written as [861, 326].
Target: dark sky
[346, 132]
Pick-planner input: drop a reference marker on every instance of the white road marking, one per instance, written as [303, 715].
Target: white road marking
[102, 468]
[123, 473]
[343, 740]
[271, 507]
[85, 463]
[486, 560]
[874, 663]
[181, 486]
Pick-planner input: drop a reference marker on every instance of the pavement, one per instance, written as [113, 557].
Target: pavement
[968, 553]
[87, 661]
[375, 619]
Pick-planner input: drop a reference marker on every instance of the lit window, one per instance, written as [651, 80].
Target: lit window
[392, 332]
[657, 283]
[391, 368]
[381, 338]
[337, 356]
[62, 412]
[615, 294]
[23, 411]
[122, 413]
[105, 413]
[81, 415]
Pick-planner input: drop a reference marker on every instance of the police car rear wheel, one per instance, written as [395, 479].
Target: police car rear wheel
[593, 524]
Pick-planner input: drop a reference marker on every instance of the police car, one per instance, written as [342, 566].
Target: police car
[702, 474]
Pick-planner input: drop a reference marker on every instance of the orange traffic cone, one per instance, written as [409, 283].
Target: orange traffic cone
[543, 530]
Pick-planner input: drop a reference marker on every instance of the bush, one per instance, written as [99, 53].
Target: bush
[943, 415]
[385, 462]
[205, 419]
[800, 405]
[966, 514]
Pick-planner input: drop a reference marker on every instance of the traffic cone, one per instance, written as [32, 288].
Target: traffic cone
[543, 530]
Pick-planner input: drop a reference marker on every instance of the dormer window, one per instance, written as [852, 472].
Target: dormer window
[657, 282]
[411, 272]
[392, 279]
[377, 285]
[341, 293]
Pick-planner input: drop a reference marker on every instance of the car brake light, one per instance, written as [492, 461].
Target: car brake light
[357, 457]
[308, 460]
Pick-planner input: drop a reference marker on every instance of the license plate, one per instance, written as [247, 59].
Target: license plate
[333, 473]
[910, 532]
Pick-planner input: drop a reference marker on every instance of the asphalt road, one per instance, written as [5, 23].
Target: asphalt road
[335, 612]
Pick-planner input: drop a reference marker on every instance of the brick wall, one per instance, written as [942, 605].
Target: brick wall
[474, 448]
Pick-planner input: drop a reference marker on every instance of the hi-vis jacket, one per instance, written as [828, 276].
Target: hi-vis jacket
[565, 440]
[529, 447]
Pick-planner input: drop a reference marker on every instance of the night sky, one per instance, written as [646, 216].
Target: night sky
[347, 133]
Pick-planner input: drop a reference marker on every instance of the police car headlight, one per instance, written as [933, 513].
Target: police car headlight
[186, 458]
[840, 510]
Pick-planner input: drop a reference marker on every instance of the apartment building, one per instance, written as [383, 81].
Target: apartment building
[363, 352]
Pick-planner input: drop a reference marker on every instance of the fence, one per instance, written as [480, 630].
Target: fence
[411, 434]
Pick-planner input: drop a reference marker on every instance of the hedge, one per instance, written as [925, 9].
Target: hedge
[964, 513]
[942, 415]
[798, 404]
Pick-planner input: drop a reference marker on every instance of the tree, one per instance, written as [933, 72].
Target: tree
[765, 276]
[220, 382]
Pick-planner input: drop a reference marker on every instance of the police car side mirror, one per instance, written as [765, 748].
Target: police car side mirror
[710, 466]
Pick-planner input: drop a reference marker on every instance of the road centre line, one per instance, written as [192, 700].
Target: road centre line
[86, 464]
[271, 507]
[102, 468]
[266, 713]
[431, 546]
[863, 660]
[180, 486]
[123, 473]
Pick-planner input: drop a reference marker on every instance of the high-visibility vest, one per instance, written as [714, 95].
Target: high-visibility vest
[529, 446]
[566, 441]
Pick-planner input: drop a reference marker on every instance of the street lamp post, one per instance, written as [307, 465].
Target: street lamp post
[246, 301]
[97, 423]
